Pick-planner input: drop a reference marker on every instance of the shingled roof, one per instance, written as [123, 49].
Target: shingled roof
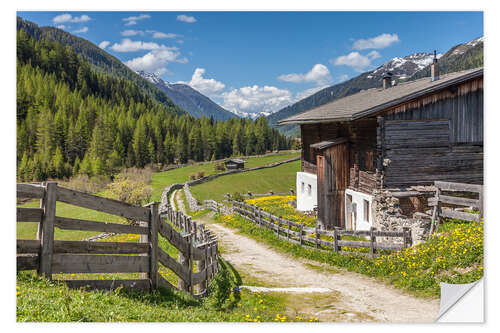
[367, 102]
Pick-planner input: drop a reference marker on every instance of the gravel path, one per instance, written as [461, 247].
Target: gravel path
[353, 297]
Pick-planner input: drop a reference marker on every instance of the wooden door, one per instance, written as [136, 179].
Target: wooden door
[333, 178]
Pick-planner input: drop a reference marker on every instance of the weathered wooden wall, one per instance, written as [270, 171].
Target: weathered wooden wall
[438, 137]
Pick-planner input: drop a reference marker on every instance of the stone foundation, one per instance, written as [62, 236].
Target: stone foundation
[392, 214]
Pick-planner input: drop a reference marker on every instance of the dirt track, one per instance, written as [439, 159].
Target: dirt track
[352, 296]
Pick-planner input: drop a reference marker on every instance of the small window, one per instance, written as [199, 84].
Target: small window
[366, 208]
[309, 189]
[302, 188]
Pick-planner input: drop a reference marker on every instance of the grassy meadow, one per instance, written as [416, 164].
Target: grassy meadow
[178, 176]
[278, 179]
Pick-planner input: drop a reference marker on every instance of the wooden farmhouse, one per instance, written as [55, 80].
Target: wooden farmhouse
[395, 140]
[234, 163]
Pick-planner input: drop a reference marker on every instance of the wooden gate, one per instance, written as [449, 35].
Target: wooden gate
[333, 178]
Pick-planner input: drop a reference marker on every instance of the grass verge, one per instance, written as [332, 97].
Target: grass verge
[454, 256]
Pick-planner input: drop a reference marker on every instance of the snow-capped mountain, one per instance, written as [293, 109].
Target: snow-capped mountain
[414, 66]
[404, 67]
[189, 99]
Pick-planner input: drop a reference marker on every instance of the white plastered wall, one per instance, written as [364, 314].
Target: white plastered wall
[359, 220]
[306, 191]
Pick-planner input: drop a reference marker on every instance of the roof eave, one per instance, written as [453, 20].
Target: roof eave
[418, 94]
[381, 107]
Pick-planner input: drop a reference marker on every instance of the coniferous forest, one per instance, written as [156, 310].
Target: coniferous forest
[73, 120]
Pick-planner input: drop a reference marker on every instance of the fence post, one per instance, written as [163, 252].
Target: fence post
[407, 237]
[317, 237]
[190, 261]
[301, 235]
[372, 242]
[335, 240]
[279, 226]
[46, 229]
[153, 237]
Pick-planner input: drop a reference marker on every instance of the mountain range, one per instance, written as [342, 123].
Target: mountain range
[189, 99]
[414, 66]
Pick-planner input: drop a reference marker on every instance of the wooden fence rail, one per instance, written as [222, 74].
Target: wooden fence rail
[451, 199]
[311, 237]
[49, 256]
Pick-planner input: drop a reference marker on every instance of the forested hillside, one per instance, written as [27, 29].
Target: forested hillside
[72, 119]
[98, 59]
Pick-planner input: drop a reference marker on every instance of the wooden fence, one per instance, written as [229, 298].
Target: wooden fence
[311, 237]
[49, 256]
[447, 198]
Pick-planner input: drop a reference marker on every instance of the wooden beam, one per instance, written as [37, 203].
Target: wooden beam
[29, 262]
[76, 224]
[69, 263]
[25, 190]
[29, 214]
[100, 204]
[28, 246]
[87, 247]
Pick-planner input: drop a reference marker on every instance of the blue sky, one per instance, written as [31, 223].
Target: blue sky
[263, 61]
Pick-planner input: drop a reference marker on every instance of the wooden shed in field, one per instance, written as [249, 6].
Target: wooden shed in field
[397, 138]
[234, 163]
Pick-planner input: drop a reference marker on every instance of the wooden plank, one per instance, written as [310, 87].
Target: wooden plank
[28, 246]
[100, 204]
[172, 264]
[76, 224]
[29, 262]
[70, 263]
[86, 247]
[445, 212]
[29, 214]
[175, 238]
[130, 284]
[459, 201]
[47, 229]
[452, 186]
[25, 190]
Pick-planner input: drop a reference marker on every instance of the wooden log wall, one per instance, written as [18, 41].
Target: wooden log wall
[50, 256]
[422, 151]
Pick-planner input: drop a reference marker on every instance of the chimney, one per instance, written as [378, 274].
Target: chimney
[386, 80]
[434, 68]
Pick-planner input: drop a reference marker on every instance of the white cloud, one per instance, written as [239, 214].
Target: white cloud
[62, 26]
[378, 42]
[159, 34]
[156, 60]
[356, 60]
[104, 44]
[128, 33]
[318, 74]
[186, 18]
[255, 99]
[373, 55]
[128, 45]
[132, 20]
[69, 18]
[82, 30]
[210, 87]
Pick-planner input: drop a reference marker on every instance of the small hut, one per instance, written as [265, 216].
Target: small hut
[234, 163]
